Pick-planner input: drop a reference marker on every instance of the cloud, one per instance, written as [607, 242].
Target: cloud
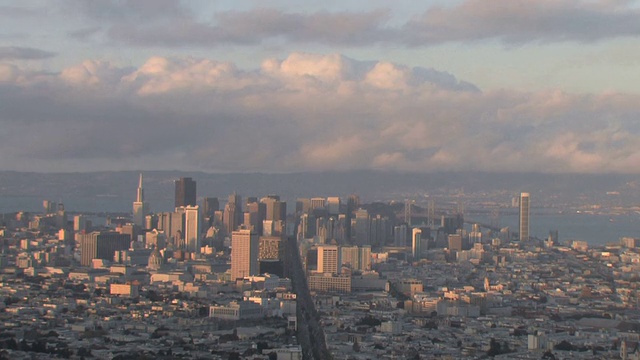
[128, 10]
[173, 24]
[84, 33]
[257, 26]
[23, 53]
[303, 112]
[92, 73]
[18, 12]
[525, 21]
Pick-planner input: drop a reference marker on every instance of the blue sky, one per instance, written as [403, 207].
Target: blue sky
[500, 85]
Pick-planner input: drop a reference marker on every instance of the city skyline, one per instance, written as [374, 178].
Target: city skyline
[436, 86]
[390, 279]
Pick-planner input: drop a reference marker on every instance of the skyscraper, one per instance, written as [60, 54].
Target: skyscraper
[356, 257]
[333, 205]
[329, 259]
[209, 206]
[524, 216]
[139, 206]
[233, 215]
[245, 248]
[276, 210]
[101, 245]
[400, 234]
[362, 228]
[353, 202]
[318, 203]
[192, 228]
[177, 228]
[254, 216]
[416, 243]
[271, 248]
[455, 242]
[185, 192]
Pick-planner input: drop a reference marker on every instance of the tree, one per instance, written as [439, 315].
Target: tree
[84, 352]
[262, 345]
[565, 346]
[369, 321]
[494, 348]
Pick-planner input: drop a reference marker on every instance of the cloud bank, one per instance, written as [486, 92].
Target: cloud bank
[303, 112]
[171, 24]
[23, 53]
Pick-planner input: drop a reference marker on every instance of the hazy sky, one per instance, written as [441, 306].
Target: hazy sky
[280, 86]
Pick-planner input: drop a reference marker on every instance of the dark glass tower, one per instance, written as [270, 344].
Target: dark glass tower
[185, 192]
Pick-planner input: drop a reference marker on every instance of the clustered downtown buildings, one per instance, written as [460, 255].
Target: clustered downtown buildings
[375, 280]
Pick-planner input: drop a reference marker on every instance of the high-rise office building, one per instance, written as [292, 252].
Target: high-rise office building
[380, 230]
[353, 202]
[307, 226]
[177, 228]
[349, 256]
[245, 249]
[416, 243]
[192, 228]
[362, 227]
[318, 203]
[155, 239]
[165, 223]
[271, 248]
[151, 221]
[79, 223]
[364, 258]
[209, 206]
[276, 210]
[524, 216]
[332, 229]
[455, 242]
[50, 207]
[233, 215]
[185, 192]
[139, 206]
[333, 205]
[101, 245]
[303, 205]
[356, 257]
[329, 259]
[400, 234]
[61, 217]
[254, 216]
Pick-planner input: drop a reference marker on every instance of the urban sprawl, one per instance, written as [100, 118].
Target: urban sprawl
[332, 278]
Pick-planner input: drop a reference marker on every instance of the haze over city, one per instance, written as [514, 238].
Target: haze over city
[285, 180]
[222, 86]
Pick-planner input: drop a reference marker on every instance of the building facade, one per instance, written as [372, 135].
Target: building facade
[185, 192]
[245, 248]
[101, 245]
[524, 216]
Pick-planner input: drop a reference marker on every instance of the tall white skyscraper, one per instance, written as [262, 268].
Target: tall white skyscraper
[245, 249]
[139, 206]
[524, 216]
[192, 228]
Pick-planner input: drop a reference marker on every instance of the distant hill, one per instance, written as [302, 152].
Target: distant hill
[120, 186]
